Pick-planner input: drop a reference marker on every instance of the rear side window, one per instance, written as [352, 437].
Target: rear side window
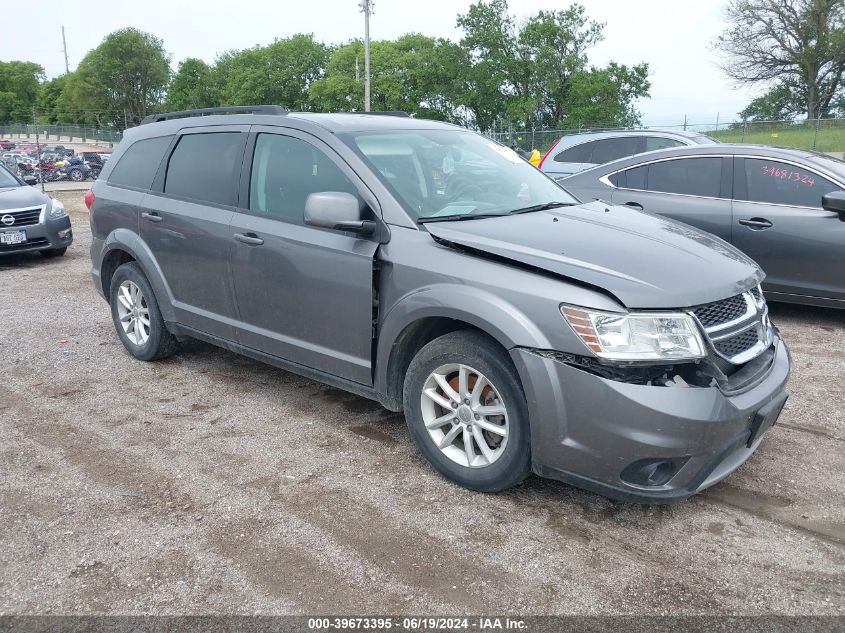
[608, 149]
[206, 167]
[578, 154]
[139, 164]
[660, 142]
[689, 176]
[781, 183]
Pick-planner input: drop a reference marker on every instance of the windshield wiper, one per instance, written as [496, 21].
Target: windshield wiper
[541, 207]
[457, 217]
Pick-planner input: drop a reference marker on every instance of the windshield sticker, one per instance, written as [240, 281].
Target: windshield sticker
[454, 209]
[507, 152]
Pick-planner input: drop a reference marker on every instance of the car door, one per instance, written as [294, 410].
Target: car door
[185, 223]
[780, 223]
[303, 293]
[694, 190]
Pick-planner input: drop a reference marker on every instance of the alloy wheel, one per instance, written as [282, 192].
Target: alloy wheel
[133, 312]
[465, 415]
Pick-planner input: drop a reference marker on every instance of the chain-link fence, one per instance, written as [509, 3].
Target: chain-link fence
[60, 133]
[823, 135]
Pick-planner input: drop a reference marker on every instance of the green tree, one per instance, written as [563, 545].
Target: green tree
[19, 88]
[801, 42]
[538, 73]
[120, 81]
[193, 86]
[783, 102]
[415, 74]
[276, 74]
[48, 103]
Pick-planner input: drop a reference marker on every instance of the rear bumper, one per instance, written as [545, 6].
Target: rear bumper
[586, 430]
[48, 235]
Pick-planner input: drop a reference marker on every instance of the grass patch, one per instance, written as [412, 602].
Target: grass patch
[830, 138]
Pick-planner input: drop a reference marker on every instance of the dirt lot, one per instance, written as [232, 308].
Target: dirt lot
[212, 483]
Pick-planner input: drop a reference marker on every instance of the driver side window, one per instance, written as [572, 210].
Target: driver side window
[285, 171]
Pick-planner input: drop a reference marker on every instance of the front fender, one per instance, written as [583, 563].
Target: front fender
[491, 314]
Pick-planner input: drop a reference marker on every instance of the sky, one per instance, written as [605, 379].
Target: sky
[673, 36]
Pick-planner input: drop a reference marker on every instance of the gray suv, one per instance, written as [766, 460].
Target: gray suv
[576, 152]
[425, 267]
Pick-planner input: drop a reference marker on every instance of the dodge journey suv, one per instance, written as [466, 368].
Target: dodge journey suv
[432, 270]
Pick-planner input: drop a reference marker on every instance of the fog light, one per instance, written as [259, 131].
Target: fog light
[652, 472]
[65, 233]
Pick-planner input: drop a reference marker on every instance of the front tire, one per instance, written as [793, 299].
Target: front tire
[136, 316]
[466, 411]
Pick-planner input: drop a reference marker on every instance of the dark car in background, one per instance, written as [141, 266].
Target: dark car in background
[30, 220]
[576, 152]
[785, 208]
[435, 271]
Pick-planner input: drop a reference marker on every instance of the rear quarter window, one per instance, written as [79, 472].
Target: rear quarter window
[578, 154]
[139, 164]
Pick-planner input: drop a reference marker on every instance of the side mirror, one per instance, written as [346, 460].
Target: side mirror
[30, 180]
[337, 210]
[835, 201]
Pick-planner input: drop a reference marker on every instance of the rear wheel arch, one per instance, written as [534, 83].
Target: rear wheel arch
[113, 260]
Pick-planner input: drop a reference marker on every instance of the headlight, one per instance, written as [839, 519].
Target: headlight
[633, 337]
[57, 210]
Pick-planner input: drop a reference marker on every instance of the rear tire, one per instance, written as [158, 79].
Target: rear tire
[55, 252]
[136, 316]
[461, 390]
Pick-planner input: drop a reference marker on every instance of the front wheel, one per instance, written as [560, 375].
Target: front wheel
[466, 411]
[76, 175]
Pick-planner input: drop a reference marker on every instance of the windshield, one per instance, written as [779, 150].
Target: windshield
[455, 173]
[7, 179]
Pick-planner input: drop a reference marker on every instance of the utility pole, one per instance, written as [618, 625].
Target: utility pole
[37, 149]
[367, 8]
[64, 48]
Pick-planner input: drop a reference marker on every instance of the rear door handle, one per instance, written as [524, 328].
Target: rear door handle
[152, 216]
[634, 205]
[756, 224]
[248, 238]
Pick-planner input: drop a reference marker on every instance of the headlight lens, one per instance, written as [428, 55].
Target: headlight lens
[57, 209]
[633, 337]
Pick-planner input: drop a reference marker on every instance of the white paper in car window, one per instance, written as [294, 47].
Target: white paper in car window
[454, 209]
[507, 152]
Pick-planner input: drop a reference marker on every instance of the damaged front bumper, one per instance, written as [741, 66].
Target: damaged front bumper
[647, 433]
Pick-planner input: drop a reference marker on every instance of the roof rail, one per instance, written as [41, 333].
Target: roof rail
[253, 109]
[388, 113]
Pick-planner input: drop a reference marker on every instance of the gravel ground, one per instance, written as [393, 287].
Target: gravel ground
[209, 483]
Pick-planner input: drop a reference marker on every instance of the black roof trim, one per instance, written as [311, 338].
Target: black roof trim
[253, 109]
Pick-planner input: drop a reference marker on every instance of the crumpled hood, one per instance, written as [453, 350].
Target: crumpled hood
[644, 260]
[18, 197]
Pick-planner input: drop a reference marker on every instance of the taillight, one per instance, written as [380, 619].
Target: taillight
[546, 155]
[89, 199]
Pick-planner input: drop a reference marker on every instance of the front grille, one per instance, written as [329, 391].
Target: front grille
[738, 344]
[27, 217]
[38, 241]
[719, 312]
[738, 327]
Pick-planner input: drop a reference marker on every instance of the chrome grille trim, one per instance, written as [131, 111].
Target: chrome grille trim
[730, 339]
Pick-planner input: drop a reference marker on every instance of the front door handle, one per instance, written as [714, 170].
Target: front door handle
[248, 238]
[756, 224]
[634, 205]
[152, 216]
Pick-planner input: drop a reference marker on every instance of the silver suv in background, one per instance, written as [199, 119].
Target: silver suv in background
[428, 268]
[576, 152]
